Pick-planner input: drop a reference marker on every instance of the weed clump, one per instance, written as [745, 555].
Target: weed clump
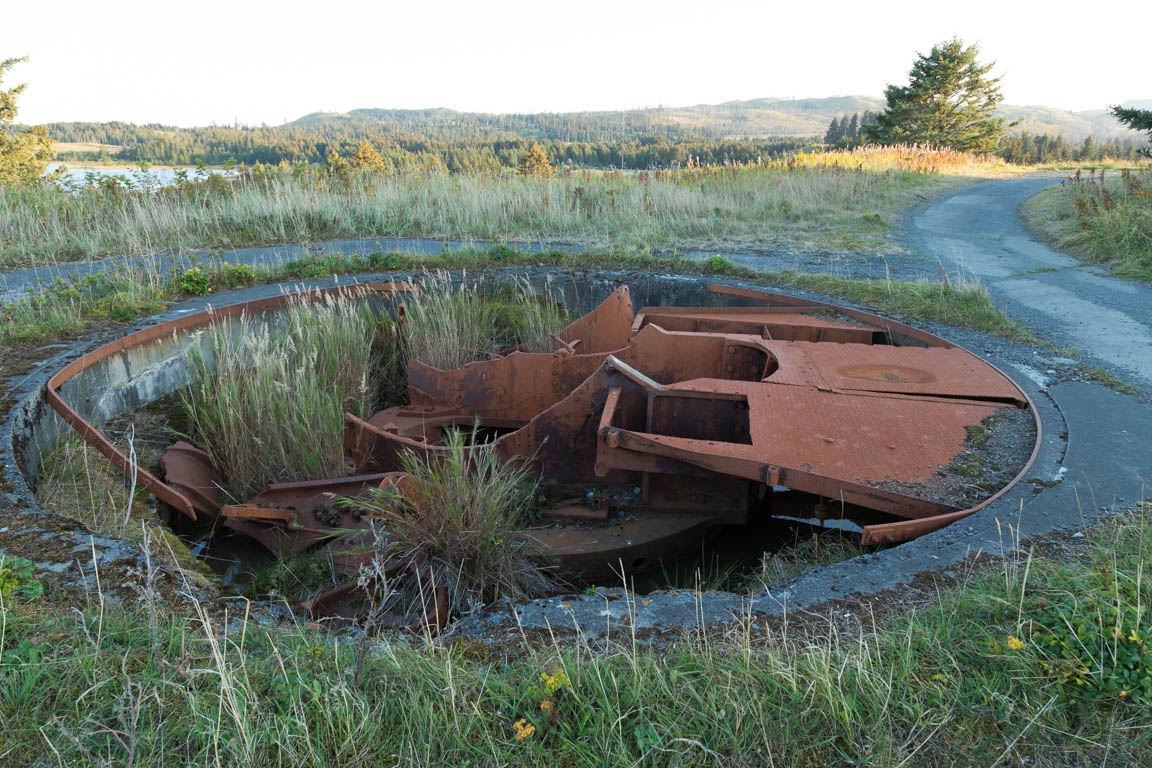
[461, 514]
[269, 407]
[448, 325]
[1106, 221]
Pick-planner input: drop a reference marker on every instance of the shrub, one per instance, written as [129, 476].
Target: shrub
[719, 264]
[195, 281]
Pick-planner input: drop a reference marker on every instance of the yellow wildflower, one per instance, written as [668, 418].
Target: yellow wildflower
[546, 705]
[524, 729]
[1015, 643]
[555, 681]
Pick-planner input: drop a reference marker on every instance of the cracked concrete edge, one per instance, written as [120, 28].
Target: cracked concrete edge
[589, 615]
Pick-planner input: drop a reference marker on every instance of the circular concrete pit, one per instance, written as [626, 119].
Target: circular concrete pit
[672, 410]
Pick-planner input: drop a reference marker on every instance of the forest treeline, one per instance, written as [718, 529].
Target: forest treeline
[222, 145]
[440, 140]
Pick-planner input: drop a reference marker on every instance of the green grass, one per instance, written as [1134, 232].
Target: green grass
[1034, 662]
[1105, 219]
[72, 306]
[959, 303]
[1102, 377]
[813, 200]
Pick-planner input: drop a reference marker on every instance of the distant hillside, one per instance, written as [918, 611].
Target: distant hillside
[755, 118]
[661, 137]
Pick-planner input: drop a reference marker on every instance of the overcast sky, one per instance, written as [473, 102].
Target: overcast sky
[188, 63]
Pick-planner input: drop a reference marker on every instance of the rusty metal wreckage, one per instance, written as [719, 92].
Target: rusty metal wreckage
[652, 427]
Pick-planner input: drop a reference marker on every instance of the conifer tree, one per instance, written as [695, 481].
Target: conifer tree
[1136, 119]
[834, 132]
[949, 102]
[24, 155]
[854, 126]
[365, 158]
[1088, 150]
[535, 163]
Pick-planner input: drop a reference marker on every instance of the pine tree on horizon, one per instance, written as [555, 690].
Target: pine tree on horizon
[853, 131]
[834, 133]
[949, 102]
[1137, 120]
[1088, 150]
[535, 163]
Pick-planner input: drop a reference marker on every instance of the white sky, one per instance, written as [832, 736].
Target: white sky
[188, 63]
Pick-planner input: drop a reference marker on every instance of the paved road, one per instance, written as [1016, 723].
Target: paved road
[976, 232]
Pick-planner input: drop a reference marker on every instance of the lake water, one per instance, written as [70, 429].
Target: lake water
[153, 178]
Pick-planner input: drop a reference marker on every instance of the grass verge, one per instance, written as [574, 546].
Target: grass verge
[1104, 220]
[1036, 661]
[70, 306]
[812, 200]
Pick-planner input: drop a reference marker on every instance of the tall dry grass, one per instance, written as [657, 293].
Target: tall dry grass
[1105, 218]
[449, 323]
[709, 207]
[268, 404]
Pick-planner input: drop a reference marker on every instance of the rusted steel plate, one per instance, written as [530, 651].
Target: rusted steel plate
[635, 545]
[289, 517]
[881, 323]
[509, 387]
[699, 454]
[605, 328]
[189, 472]
[768, 322]
[948, 372]
[859, 437]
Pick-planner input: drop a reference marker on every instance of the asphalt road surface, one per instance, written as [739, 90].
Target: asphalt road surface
[976, 232]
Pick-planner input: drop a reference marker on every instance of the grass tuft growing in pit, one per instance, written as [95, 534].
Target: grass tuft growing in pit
[803, 555]
[449, 323]
[462, 513]
[76, 481]
[268, 406]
